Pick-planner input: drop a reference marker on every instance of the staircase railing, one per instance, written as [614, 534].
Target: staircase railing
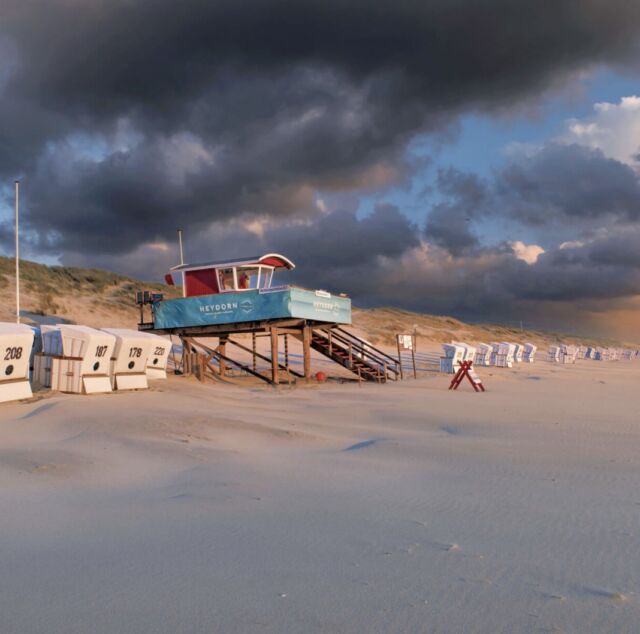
[384, 363]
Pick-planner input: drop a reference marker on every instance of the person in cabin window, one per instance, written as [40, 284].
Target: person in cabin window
[243, 281]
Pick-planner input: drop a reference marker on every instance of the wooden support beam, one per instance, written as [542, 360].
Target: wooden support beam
[202, 362]
[253, 351]
[306, 351]
[286, 357]
[399, 357]
[183, 359]
[413, 355]
[222, 349]
[275, 370]
[262, 356]
[286, 351]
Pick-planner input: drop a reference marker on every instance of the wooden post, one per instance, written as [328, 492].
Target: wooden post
[330, 344]
[190, 358]
[286, 357]
[253, 348]
[359, 376]
[222, 349]
[399, 356]
[275, 375]
[201, 365]
[413, 355]
[286, 351]
[183, 358]
[350, 354]
[306, 351]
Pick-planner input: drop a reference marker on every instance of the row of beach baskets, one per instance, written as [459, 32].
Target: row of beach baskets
[78, 359]
[500, 354]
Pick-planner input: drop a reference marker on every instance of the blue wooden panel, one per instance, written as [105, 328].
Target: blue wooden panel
[226, 308]
[230, 308]
[316, 306]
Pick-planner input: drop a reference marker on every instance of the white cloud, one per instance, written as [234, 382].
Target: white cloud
[528, 253]
[613, 128]
[572, 244]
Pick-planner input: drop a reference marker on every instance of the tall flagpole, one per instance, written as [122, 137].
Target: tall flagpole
[17, 252]
[184, 282]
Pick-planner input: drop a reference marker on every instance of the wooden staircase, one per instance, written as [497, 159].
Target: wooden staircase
[358, 356]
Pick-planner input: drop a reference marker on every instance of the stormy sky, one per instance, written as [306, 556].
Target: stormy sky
[480, 159]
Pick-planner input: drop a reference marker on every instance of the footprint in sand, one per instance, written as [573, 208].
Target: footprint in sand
[612, 595]
[450, 548]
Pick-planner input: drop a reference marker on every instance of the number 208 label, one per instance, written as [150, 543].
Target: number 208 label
[13, 353]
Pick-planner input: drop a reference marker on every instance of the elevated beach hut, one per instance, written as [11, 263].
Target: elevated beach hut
[230, 276]
[227, 297]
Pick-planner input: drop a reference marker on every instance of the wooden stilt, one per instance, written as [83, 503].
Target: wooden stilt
[222, 349]
[286, 357]
[183, 357]
[306, 351]
[202, 361]
[399, 357]
[413, 356]
[263, 357]
[253, 350]
[275, 374]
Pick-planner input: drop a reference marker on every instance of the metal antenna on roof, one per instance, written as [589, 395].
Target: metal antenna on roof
[17, 252]
[180, 242]
[184, 284]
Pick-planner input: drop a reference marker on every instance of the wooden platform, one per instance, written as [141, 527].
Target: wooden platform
[207, 349]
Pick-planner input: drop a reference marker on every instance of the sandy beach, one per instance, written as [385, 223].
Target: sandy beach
[335, 508]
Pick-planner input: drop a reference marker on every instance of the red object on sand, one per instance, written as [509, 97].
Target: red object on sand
[466, 370]
[321, 377]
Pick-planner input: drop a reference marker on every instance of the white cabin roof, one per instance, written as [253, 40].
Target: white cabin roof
[264, 260]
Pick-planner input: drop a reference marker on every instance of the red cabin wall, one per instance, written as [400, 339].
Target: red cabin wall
[201, 282]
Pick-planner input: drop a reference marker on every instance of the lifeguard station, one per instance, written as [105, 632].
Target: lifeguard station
[230, 297]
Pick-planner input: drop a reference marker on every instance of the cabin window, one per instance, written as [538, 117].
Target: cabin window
[248, 277]
[227, 279]
[243, 278]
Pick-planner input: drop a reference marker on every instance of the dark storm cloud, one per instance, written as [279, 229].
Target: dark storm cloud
[449, 223]
[562, 192]
[569, 182]
[282, 98]
[340, 251]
